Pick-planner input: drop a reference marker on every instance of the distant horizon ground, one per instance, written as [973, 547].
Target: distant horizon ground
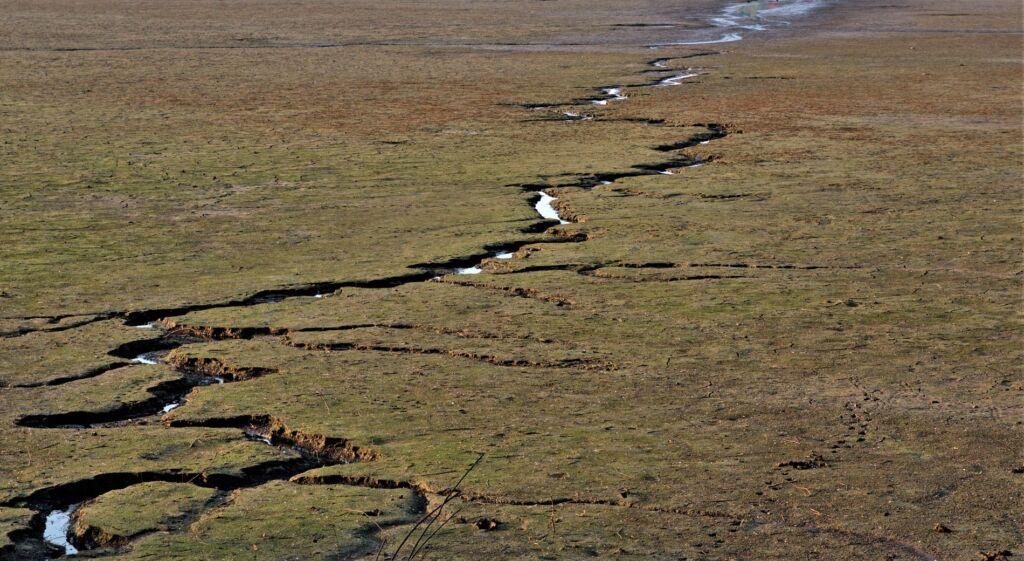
[511, 280]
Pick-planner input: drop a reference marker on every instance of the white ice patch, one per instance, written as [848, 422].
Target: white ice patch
[146, 358]
[614, 94]
[170, 406]
[727, 38]
[676, 80]
[659, 64]
[574, 116]
[545, 209]
[146, 326]
[666, 172]
[506, 255]
[58, 525]
[474, 270]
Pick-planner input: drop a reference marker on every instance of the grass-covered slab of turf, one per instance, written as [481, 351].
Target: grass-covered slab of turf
[55, 357]
[282, 520]
[47, 466]
[116, 517]
[134, 386]
[12, 520]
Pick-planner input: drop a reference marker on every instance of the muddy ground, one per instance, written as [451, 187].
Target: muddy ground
[781, 320]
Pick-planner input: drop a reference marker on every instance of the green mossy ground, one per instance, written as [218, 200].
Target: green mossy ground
[116, 517]
[806, 348]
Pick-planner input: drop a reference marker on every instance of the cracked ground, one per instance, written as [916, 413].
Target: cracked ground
[777, 317]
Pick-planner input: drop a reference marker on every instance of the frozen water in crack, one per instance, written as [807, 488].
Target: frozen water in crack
[145, 326]
[170, 406]
[57, 528]
[666, 172]
[146, 358]
[614, 94]
[545, 209]
[676, 80]
[574, 116]
[477, 269]
[727, 38]
[258, 437]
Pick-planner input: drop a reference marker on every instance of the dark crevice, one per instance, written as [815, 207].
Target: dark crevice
[489, 359]
[133, 349]
[728, 265]
[325, 450]
[516, 291]
[66, 494]
[56, 328]
[677, 278]
[85, 374]
[163, 393]
[715, 131]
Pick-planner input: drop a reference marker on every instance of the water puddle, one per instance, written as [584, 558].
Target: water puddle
[57, 529]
